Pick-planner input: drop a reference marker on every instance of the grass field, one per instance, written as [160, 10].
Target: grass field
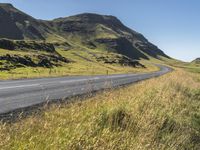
[161, 113]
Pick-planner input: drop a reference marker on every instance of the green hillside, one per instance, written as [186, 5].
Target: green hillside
[27, 59]
[81, 44]
[100, 32]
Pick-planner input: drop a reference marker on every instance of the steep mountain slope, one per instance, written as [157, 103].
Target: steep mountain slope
[15, 24]
[107, 31]
[93, 31]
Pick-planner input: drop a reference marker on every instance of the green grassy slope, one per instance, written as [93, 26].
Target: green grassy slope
[161, 113]
[65, 60]
[81, 44]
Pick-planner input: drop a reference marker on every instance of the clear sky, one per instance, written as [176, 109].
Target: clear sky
[173, 25]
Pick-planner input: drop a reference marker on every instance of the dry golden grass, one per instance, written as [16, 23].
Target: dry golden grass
[161, 113]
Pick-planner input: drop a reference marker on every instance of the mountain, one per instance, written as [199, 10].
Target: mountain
[18, 25]
[93, 31]
[196, 61]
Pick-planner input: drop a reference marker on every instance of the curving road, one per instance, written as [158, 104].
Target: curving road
[18, 94]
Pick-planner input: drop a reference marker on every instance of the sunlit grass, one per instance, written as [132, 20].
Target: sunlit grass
[161, 113]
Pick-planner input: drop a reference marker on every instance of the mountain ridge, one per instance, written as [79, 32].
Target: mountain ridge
[197, 60]
[91, 30]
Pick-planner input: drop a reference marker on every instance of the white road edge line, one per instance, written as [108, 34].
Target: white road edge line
[78, 80]
[18, 86]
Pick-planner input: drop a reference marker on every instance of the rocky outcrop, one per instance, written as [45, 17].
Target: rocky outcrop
[150, 49]
[26, 45]
[16, 61]
[122, 46]
[119, 59]
[15, 24]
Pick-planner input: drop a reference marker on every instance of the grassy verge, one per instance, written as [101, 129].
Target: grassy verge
[191, 67]
[161, 113]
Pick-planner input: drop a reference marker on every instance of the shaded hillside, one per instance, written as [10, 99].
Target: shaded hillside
[26, 45]
[196, 61]
[18, 25]
[90, 30]
[108, 32]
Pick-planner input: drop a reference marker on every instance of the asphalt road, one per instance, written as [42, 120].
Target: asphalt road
[18, 94]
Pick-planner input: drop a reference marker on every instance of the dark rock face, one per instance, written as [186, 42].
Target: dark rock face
[122, 46]
[150, 49]
[7, 44]
[133, 45]
[8, 27]
[85, 23]
[17, 60]
[47, 61]
[24, 45]
[15, 24]
[122, 60]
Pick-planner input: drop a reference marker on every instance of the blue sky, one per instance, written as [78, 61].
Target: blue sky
[173, 25]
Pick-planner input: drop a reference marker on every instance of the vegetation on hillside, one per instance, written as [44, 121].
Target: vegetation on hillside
[75, 61]
[77, 45]
[91, 30]
[192, 67]
[161, 113]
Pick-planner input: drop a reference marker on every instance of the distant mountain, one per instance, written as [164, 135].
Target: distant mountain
[197, 61]
[90, 30]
